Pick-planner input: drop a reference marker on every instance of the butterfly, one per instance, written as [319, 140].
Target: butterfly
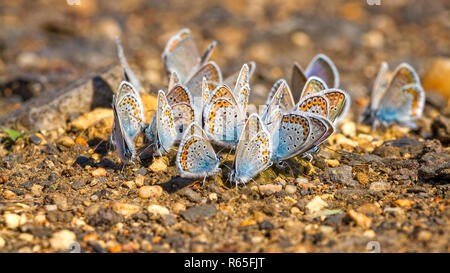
[223, 117]
[196, 157]
[180, 100]
[253, 152]
[128, 121]
[401, 100]
[320, 66]
[298, 133]
[181, 56]
[127, 73]
[161, 133]
[315, 97]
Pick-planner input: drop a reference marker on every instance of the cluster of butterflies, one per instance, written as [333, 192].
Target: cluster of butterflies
[200, 111]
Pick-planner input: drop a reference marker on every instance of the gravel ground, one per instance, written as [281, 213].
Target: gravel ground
[63, 186]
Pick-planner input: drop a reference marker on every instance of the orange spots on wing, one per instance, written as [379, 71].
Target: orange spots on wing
[185, 152]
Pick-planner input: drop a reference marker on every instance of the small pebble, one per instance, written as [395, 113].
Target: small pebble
[61, 240]
[315, 205]
[291, 189]
[65, 141]
[146, 192]
[157, 209]
[360, 219]
[139, 180]
[158, 165]
[98, 172]
[269, 189]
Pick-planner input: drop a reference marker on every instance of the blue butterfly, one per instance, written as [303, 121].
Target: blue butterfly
[196, 157]
[128, 121]
[320, 66]
[400, 101]
[298, 133]
[253, 152]
[161, 133]
[223, 117]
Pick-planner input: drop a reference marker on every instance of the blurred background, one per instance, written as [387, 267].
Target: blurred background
[45, 44]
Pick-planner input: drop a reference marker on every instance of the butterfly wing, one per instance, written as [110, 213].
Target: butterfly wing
[315, 103]
[165, 125]
[322, 67]
[339, 103]
[173, 80]
[313, 85]
[403, 105]
[298, 81]
[127, 73]
[223, 121]
[282, 96]
[210, 71]
[233, 78]
[181, 54]
[129, 110]
[404, 98]
[179, 94]
[196, 157]
[117, 138]
[299, 132]
[183, 115]
[254, 150]
[207, 53]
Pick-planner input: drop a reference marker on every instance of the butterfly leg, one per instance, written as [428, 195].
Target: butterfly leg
[308, 157]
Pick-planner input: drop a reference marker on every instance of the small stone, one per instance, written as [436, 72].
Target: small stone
[178, 207]
[158, 165]
[36, 190]
[192, 195]
[424, 235]
[198, 212]
[98, 172]
[403, 203]
[436, 78]
[80, 140]
[291, 189]
[369, 234]
[269, 189]
[362, 178]
[35, 139]
[369, 208]
[114, 248]
[315, 205]
[27, 237]
[139, 180]
[294, 210]
[61, 240]
[13, 221]
[247, 223]
[158, 210]
[332, 162]
[125, 209]
[348, 128]
[146, 192]
[360, 219]
[2, 243]
[7, 194]
[65, 141]
[212, 197]
[129, 184]
[78, 184]
[300, 180]
[266, 225]
[373, 39]
[91, 118]
[3, 179]
[379, 186]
